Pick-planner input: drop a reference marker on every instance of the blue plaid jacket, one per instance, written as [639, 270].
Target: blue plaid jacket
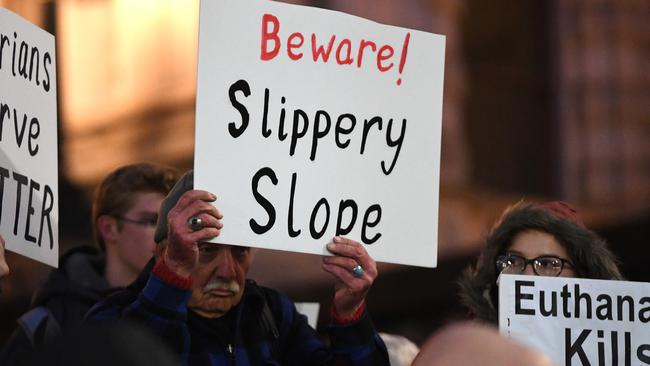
[287, 339]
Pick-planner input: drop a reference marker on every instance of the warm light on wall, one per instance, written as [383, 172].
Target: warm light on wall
[118, 56]
[32, 10]
[117, 60]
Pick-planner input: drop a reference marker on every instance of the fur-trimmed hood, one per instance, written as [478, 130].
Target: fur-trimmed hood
[587, 251]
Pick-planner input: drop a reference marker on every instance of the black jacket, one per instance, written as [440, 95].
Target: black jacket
[60, 303]
[263, 329]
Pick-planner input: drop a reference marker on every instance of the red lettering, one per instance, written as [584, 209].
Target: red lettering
[348, 57]
[291, 45]
[270, 36]
[385, 53]
[402, 61]
[272, 44]
[362, 47]
[320, 50]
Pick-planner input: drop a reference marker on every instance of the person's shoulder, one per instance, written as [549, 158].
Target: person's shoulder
[111, 307]
[81, 250]
[81, 261]
[279, 303]
[256, 290]
[78, 279]
[17, 347]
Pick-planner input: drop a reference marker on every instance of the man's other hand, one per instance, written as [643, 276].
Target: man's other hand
[352, 285]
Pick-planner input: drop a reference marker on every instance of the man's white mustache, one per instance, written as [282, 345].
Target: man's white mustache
[219, 284]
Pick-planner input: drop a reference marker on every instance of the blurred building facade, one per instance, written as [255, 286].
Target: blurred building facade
[542, 100]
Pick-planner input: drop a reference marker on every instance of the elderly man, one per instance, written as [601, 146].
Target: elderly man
[198, 299]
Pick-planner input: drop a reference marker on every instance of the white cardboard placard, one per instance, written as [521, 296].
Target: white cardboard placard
[578, 321]
[28, 140]
[310, 310]
[264, 143]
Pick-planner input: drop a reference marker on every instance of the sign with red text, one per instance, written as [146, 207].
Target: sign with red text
[313, 123]
[29, 212]
[578, 321]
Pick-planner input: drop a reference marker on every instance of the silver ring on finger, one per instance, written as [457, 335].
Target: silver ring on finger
[195, 223]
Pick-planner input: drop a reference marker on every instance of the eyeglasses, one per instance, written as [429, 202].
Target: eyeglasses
[150, 222]
[546, 265]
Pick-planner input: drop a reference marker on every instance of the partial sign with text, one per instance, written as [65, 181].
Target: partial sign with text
[578, 321]
[29, 212]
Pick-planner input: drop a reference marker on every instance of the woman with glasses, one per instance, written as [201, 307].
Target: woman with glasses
[534, 239]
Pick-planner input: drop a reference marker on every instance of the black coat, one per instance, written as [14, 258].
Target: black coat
[62, 301]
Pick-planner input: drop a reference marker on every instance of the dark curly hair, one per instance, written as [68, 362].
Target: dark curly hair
[587, 251]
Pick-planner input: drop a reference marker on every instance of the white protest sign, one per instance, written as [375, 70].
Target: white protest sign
[313, 123]
[29, 212]
[578, 321]
[310, 310]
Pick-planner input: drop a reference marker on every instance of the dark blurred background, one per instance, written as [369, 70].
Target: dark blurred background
[543, 100]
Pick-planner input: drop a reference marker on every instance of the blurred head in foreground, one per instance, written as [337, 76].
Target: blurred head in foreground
[474, 344]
